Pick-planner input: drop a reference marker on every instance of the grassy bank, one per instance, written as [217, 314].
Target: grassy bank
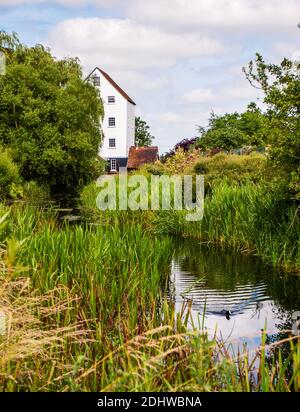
[86, 305]
[247, 217]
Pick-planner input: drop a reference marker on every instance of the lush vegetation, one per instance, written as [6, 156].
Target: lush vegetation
[86, 311]
[49, 117]
[281, 85]
[85, 307]
[10, 181]
[143, 137]
[184, 145]
[235, 130]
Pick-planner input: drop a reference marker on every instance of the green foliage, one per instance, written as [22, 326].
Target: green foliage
[248, 217]
[156, 168]
[87, 312]
[34, 193]
[8, 42]
[49, 117]
[9, 177]
[281, 85]
[181, 161]
[233, 131]
[143, 136]
[234, 169]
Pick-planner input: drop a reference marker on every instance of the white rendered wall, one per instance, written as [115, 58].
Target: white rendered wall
[124, 113]
[130, 125]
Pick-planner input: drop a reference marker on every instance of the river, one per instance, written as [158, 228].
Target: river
[233, 295]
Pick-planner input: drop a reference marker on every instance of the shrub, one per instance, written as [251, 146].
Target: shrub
[32, 192]
[234, 169]
[182, 162]
[9, 177]
[156, 168]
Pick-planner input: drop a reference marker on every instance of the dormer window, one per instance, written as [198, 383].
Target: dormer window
[111, 100]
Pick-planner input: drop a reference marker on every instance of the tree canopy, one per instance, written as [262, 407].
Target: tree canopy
[143, 136]
[281, 85]
[232, 131]
[49, 117]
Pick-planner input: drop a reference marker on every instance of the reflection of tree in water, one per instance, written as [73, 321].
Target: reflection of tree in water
[225, 271]
[284, 331]
[242, 276]
[228, 272]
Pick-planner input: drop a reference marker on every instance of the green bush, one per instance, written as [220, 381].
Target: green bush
[32, 192]
[232, 168]
[10, 186]
[156, 168]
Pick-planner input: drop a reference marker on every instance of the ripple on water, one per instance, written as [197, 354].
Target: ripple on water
[216, 281]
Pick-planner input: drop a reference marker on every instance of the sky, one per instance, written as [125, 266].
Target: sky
[179, 60]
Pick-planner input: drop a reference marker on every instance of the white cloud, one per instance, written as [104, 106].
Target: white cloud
[18, 2]
[141, 81]
[166, 53]
[122, 43]
[243, 15]
[236, 91]
[286, 49]
[170, 117]
[200, 95]
[74, 3]
[269, 16]
[239, 91]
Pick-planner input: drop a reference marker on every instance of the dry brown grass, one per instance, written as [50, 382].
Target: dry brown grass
[29, 337]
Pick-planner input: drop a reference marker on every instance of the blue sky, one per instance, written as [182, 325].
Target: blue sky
[178, 59]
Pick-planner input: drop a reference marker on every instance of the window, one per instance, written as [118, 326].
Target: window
[111, 121]
[113, 165]
[96, 80]
[111, 99]
[112, 142]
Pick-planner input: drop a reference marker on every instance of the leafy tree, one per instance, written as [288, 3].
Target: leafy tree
[49, 117]
[10, 182]
[281, 85]
[184, 145]
[226, 138]
[232, 131]
[143, 136]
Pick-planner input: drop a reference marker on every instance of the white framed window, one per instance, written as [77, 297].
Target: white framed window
[113, 165]
[112, 143]
[111, 100]
[96, 80]
[111, 122]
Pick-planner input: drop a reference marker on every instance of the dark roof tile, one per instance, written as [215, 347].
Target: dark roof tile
[114, 84]
[141, 155]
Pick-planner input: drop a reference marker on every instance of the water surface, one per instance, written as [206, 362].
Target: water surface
[217, 281]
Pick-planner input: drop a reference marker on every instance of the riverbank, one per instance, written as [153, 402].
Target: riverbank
[245, 218]
[95, 317]
[249, 218]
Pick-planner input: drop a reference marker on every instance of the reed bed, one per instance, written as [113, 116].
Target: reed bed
[86, 310]
[247, 218]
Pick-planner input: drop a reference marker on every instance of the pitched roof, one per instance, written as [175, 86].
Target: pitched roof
[140, 155]
[114, 84]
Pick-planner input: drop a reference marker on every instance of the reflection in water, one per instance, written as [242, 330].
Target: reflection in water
[237, 294]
